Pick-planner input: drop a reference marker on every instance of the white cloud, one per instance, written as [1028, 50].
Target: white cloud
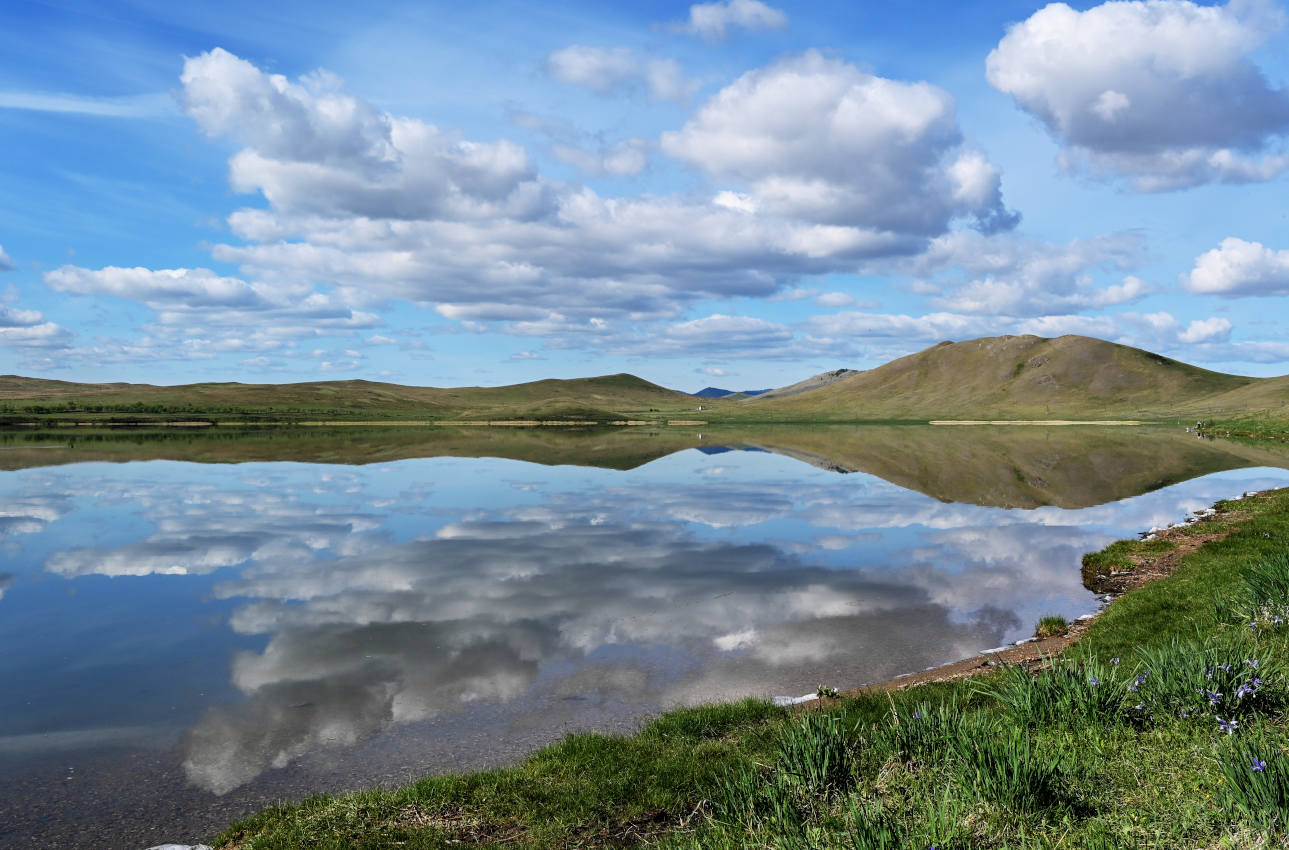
[1009, 275]
[606, 70]
[28, 331]
[364, 208]
[1237, 267]
[1162, 92]
[6, 262]
[12, 317]
[157, 287]
[1206, 330]
[712, 20]
[835, 299]
[818, 139]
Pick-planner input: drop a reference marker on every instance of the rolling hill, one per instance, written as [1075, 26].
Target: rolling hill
[1030, 377]
[1007, 377]
[608, 397]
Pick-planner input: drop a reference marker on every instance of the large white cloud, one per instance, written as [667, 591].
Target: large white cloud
[817, 138]
[827, 167]
[378, 207]
[1237, 267]
[1162, 92]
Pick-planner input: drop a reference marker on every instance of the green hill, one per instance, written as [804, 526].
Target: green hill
[601, 398]
[1007, 377]
[1030, 377]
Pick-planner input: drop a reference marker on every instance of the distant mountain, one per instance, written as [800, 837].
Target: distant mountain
[1030, 377]
[717, 392]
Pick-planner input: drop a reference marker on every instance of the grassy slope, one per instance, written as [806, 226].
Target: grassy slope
[1029, 377]
[1063, 762]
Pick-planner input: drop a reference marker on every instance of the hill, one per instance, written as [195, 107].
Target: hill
[602, 398]
[814, 382]
[1030, 377]
[1008, 377]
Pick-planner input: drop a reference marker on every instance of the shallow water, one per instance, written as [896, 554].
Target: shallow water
[186, 642]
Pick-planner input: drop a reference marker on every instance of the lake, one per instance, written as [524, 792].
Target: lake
[198, 624]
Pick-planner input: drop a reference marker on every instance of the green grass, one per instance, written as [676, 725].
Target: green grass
[1051, 626]
[1118, 744]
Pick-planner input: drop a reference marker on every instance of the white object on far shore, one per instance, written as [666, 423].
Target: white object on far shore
[794, 700]
[181, 847]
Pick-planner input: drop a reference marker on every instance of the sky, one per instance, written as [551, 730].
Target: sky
[736, 193]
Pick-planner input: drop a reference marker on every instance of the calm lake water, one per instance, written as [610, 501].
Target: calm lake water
[185, 642]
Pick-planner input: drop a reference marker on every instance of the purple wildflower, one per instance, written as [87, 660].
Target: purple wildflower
[1093, 681]
[1258, 765]
[1228, 726]
[1214, 697]
[1252, 662]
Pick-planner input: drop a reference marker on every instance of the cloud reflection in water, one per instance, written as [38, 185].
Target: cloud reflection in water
[581, 592]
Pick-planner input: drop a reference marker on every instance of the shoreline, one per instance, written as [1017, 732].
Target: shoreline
[1033, 652]
[1156, 555]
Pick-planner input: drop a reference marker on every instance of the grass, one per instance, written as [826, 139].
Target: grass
[1164, 727]
[1051, 626]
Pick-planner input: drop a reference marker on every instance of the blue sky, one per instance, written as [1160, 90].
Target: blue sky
[735, 193]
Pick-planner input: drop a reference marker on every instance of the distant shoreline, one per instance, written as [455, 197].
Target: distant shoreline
[1036, 422]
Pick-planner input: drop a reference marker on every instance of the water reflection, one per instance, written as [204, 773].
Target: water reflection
[349, 606]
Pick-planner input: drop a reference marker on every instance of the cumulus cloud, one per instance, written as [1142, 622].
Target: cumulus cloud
[157, 287]
[1237, 267]
[818, 139]
[201, 314]
[828, 167]
[1161, 92]
[28, 330]
[606, 70]
[1009, 275]
[713, 20]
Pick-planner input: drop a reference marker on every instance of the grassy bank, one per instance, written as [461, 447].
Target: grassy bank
[1164, 727]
